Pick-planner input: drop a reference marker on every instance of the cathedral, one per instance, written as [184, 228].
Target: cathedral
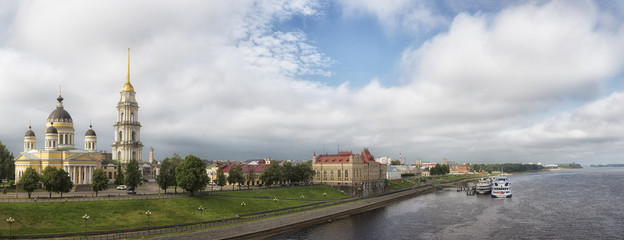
[59, 149]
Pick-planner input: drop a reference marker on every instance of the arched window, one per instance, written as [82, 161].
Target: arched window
[120, 136]
[324, 173]
[331, 173]
[119, 155]
[110, 175]
[121, 119]
[131, 116]
[318, 173]
[133, 136]
[338, 175]
[346, 173]
[66, 139]
[134, 155]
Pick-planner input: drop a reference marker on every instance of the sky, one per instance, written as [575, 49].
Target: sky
[470, 81]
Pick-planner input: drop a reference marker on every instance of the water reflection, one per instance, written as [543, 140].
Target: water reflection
[567, 204]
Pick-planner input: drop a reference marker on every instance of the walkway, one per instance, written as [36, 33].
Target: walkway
[292, 222]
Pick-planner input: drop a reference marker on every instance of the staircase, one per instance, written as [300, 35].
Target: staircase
[82, 188]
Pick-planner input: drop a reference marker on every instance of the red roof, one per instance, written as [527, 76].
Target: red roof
[256, 168]
[343, 157]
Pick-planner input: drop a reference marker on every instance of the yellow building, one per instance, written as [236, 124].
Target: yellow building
[128, 145]
[59, 150]
[357, 173]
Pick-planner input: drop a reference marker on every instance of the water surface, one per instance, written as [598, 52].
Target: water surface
[566, 204]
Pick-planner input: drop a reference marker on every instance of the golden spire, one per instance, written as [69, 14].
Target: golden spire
[128, 87]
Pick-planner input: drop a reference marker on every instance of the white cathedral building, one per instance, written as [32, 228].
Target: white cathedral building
[60, 151]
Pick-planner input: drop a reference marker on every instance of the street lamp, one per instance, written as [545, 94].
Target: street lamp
[201, 211]
[85, 218]
[148, 214]
[10, 221]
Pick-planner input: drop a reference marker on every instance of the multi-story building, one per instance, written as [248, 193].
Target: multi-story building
[59, 148]
[128, 145]
[358, 173]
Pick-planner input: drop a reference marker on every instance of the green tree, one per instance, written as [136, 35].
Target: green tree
[29, 181]
[175, 160]
[63, 182]
[236, 176]
[166, 175]
[133, 175]
[48, 178]
[395, 162]
[100, 181]
[271, 174]
[287, 173]
[303, 172]
[119, 180]
[221, 179]
[191, 174]
[7, 163]
[250, 176]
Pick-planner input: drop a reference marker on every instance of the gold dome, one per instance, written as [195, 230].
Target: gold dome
[127, 87]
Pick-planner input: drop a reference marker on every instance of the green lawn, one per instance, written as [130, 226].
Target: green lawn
[61, 217]
[399, 184]
[308, 192]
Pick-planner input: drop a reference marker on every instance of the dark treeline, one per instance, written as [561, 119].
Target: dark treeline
[607, 165]
[506, 167]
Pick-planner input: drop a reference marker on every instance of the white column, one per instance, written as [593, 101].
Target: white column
[90, 175]
[79, 175]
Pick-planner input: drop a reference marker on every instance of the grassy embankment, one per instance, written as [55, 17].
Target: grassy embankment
[62, 217]
[414, 181]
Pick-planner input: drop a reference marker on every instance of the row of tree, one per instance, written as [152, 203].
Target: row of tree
[58, 180]
[7, 164]
[273, 174]
[506, 167]
[440, 169]
[188, 173]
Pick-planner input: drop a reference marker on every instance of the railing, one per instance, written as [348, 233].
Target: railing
[156, 230]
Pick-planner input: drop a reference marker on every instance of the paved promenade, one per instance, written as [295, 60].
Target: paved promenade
[292, 222]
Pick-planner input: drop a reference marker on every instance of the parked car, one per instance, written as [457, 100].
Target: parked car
[122, 187]
[131, 192]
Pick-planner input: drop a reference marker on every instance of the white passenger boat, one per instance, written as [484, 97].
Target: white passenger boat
[484, 185]
[501, 187]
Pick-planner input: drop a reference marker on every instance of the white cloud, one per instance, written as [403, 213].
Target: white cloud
[221, 80]
[404, 15]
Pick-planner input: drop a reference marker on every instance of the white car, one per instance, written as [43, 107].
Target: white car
[122, 187]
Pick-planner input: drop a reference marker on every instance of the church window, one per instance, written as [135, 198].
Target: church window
[131, 116]
[66, 139]
[134, 155]
[133, 136]
[119, 155]
[121, 119]
[120, 136]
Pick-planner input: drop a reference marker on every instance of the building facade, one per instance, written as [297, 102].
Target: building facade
[59, 150]
[358, 173]
[127, 144]
[59, 143]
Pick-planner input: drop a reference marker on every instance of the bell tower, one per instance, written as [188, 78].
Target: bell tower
[127, 144]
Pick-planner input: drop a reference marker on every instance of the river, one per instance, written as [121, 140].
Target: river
[565, 204]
